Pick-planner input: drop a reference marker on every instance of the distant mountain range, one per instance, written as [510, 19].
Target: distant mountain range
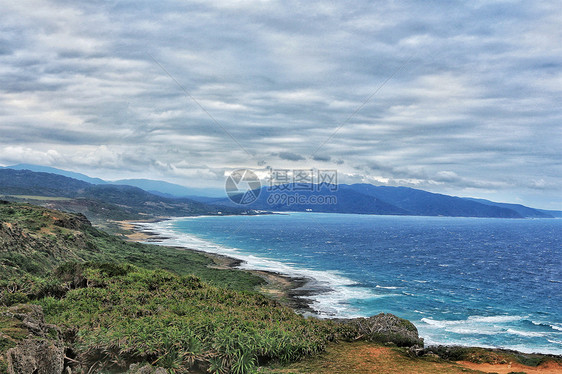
[47, 169]
[157, 187]
[159, 198]
[369, 199]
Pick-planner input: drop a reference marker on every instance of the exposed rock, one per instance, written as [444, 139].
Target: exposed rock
[385, 328]
[76, 221]
[12, 236]
[36, 356]
[42, 351]
[146, 369]
[416, 351]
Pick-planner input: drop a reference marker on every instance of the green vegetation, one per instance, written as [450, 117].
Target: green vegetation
[127, 314]
[34, 240]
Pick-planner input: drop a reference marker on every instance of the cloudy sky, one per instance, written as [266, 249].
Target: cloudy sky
[461, 98]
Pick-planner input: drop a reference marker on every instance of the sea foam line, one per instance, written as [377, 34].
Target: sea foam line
[331, 294]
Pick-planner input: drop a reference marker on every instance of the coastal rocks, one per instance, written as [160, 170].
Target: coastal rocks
[146, 369]
[384, 328]
[38, 346]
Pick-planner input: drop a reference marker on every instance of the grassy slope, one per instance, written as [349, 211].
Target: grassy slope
[128, 314]
[44, 238]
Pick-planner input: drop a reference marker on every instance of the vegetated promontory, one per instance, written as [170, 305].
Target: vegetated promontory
[91, 301]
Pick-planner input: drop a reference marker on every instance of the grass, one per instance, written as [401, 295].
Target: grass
[365, 358]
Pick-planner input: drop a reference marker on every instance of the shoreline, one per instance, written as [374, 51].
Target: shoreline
[290, 291]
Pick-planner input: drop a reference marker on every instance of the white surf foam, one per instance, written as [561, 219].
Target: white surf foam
[475, 325]
[530, 334]
[462, 327]
[496, 319]
[473, 321]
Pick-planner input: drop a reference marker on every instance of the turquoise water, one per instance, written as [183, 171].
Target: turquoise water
[467, 281]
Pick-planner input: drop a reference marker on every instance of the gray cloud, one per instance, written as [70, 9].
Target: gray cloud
[322, 158]
[289, 156]
[472, 106]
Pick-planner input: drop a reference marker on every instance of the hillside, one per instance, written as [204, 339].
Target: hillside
[521, 209]
[35, 240]
[99, 201]
[50, 170]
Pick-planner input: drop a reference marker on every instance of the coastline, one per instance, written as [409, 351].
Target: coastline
[290, 291]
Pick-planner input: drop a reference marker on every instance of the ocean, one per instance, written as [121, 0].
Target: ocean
[463, 281]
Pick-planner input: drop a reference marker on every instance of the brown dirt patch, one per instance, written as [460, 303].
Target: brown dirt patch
[546, 368]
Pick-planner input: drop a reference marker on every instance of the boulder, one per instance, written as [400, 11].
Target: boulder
[36, 356]
[384, 328]
[42, 351]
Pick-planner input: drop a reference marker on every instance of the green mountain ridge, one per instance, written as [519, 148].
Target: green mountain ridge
[51, 170]
[157, 187]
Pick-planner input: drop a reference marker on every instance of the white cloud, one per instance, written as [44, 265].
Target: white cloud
[474, 108]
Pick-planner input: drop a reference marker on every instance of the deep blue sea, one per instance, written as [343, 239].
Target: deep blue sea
[467, 281]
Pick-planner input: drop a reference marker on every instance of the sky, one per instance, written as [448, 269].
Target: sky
[462, 98]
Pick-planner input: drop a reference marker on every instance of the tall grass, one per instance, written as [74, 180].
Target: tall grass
[122, 314]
